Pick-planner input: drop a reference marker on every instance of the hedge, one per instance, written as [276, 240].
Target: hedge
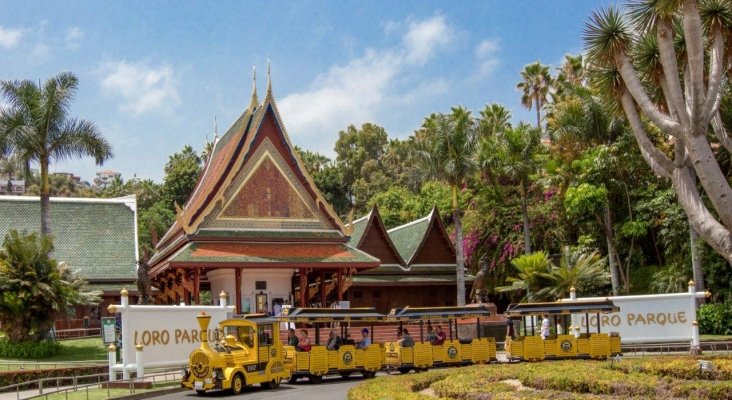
[29, 350]
[12, 377]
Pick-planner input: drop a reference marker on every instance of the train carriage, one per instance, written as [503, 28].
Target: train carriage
[455, 350]
[344, 361]
[559, 344]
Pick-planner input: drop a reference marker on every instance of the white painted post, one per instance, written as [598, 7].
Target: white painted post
[574, 328]
[126, 353]
[112, 359]
[695, 345]
[140, 367]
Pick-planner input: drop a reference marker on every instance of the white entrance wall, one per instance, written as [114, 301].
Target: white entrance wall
[279, 285]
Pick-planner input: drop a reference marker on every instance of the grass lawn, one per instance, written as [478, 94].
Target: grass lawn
[85, 349]
[714, 338]
[99, 394]
[670, 377]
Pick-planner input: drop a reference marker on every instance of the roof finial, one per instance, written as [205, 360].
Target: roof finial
[216, 130]
[269, 77]
[255, 100]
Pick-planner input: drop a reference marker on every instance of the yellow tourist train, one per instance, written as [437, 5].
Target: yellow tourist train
[247, 350]
[249, 353]
[557, 343]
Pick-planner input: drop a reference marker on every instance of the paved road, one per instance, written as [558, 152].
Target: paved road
[332, 388]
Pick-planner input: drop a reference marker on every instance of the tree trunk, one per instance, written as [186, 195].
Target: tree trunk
[525, 214]
[612, 256]
[696, 261]
[459, 260]
[538, 113]
[45, 200]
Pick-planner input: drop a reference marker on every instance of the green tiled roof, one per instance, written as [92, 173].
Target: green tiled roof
[271, 253]
[96, 236]
[112, 287]
[359, 228]
[408, 237]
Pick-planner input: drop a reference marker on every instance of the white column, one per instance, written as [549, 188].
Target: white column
[126, 333]
[695, 341]
[112, 358]
[222, 280]
[138, 356]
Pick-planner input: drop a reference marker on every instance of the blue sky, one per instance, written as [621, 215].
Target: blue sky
[153, 74]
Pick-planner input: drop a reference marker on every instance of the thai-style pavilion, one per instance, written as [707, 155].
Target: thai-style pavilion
[256, 226]
[417, 264]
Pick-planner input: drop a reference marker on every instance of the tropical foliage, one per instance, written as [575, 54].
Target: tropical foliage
[35, 288]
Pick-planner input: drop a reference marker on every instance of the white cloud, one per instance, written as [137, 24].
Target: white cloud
[425, 37]
[485, 54]
[9, 37]
[365, 87]
[73, 37]
[142, 88]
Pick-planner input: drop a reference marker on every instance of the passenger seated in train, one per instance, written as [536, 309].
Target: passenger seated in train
[366, 341]
[431, 336]
[334, 341]
[406, 340]
[291, 338]
[304, 343]
[440, 336]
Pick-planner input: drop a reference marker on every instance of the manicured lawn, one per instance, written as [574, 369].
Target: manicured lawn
[99, 394]
[86, 349]
[714, 338]
[676, 377]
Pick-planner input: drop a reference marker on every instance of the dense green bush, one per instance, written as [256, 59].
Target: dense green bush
[29, 350]
[715, 318]
[13, 377]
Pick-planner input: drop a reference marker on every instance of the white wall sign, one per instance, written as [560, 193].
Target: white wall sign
[647, 318]
[168, 333]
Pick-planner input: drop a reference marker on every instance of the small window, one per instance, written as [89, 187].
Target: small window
[357, 294]
[260, 285]
[265, 335]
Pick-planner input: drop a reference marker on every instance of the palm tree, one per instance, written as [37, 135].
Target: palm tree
[531, 271]
[36, 289]
[494, 118]
[11, 167]
[36, 126]
[535, 87]
[447, 153]
[583, 271]
[513, 155]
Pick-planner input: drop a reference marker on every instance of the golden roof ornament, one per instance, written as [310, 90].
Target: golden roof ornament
[269, 77]
[254, 102]
[691, 282]
[124, 292]
[223, 295]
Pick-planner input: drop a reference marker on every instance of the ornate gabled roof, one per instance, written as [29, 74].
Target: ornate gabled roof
[370, 235]
[410, 240]
[253, 183]
[96, 236]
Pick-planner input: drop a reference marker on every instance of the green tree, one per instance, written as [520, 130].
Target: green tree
[448, 154]
[355, 147]
[583, 271]
[181, 174]
[692, 97]
[35, 288]
[513, 155]
[494, 119]
[530, 278]
[534, 87]
[36, 126]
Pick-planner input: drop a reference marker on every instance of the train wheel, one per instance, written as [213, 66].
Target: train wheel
[201, 392]
[237, 384]
[404, 370]
[369, 374]
[316, 379]
[275, 383]
[292, 379]
[345, 375]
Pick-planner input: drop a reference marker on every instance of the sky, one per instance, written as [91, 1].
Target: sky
[153, 75]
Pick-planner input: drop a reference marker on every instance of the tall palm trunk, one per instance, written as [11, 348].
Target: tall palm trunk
[538, 112]
[612, 255]
[525, 215]
[459, 258]
[45, 200]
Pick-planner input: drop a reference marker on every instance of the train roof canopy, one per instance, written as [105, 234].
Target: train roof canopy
[437, 313]
[562, 308]
[311, 315]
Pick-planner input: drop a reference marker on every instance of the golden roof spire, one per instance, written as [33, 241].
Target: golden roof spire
[269, 77]
[254, 102]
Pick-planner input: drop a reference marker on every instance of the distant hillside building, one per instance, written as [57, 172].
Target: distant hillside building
[96, 236]
[104, 178]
